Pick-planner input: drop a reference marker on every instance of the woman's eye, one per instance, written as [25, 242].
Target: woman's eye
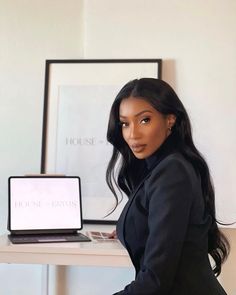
[145, 120]
[124, 124]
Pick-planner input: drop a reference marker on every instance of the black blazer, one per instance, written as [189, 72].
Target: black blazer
[164, 227]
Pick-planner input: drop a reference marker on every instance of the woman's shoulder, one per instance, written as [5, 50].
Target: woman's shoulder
[173, 174]
[175, 165]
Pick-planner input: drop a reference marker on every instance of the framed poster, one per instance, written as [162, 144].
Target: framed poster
[77, 100]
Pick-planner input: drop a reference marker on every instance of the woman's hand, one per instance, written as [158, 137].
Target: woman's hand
[112, 235]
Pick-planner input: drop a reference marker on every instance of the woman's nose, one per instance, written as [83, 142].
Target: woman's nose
[134, 132]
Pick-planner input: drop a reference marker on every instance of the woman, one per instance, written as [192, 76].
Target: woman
[168, 225]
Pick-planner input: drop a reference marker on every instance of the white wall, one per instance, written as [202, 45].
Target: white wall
[196, 40]
[30, 32]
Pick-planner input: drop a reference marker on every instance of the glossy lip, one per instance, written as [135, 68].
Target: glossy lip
[137, 148]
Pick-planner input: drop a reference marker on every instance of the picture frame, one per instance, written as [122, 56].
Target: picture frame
[78, 95]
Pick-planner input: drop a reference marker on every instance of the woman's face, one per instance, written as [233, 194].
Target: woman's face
[143, 128]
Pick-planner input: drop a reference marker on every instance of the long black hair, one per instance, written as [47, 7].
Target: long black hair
[124, 171]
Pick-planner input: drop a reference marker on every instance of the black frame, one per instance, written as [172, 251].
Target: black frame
[46, 109]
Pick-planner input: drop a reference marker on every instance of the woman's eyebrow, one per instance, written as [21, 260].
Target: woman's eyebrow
[138, 114]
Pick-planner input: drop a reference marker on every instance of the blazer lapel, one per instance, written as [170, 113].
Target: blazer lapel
[122, 218]
[123, 215]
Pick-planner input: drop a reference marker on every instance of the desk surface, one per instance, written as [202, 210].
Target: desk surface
[85, 253]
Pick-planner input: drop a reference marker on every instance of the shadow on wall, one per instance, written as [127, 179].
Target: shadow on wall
[169, 72]
[227, 277]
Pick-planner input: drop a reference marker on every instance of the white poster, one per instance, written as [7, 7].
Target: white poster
[82, 149]
[78, 98]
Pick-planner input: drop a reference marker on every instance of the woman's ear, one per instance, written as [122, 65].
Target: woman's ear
[171, 119]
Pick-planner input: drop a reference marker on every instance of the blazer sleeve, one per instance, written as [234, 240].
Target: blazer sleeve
[170, 194]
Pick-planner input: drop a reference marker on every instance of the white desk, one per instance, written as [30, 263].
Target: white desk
[83, 254]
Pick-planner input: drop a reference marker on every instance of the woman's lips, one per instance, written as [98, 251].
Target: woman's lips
[137, 148]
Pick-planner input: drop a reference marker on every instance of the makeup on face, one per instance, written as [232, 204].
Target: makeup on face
[144, 129]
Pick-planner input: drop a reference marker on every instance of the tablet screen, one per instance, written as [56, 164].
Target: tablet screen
[44, 203]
